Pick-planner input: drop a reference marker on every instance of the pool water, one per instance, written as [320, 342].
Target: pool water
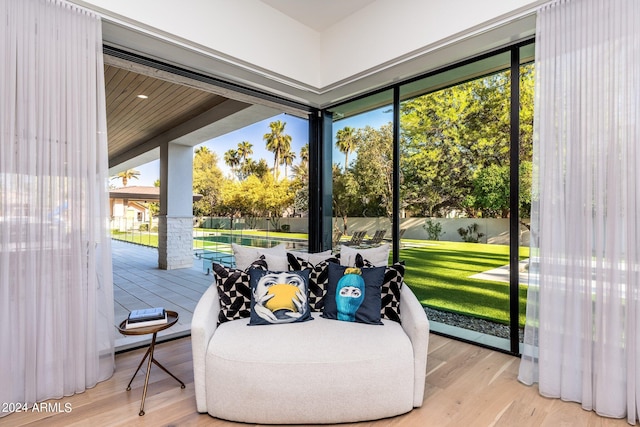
[252, 241]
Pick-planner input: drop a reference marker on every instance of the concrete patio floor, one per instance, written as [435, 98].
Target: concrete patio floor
[139, 283]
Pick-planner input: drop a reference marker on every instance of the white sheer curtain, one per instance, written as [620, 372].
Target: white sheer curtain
[56, 289]
[583, 310]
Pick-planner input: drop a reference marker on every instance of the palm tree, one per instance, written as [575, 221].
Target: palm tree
[126, 176]
[287, 160]
[301, 170]
[278, 143]
[346, 143]
[232, 159]
[304, 154]
[247, 167]
[245, 149]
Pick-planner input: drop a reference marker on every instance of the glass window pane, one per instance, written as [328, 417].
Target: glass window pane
[455, 145]
[363, 171]
[254, 183]
[527, 84]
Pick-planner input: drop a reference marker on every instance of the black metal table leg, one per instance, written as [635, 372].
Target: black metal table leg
[146, 379]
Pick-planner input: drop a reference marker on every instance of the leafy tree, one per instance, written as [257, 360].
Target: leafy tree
[491, 191]
[233, 200]
[449, 139]
[526, 171]
[373, 170]
[126, 176]
[436, 165]
[154, 207]
[259, 168]
[300, 182]
[346, 142]
[301, 199]
[278, 143]
[206, 181]
[527, 87]
[256, 197]
[274, 199]
[346, 195]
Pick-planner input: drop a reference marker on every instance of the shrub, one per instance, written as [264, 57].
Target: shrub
[144, 227]
[285, 228]
[471, 233]
[433, 229]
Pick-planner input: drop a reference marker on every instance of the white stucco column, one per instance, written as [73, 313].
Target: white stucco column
[175, 223]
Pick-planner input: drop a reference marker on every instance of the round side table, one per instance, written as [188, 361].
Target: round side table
[172, 318]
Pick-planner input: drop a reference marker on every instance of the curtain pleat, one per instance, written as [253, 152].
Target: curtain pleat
[56, 285]
[581, 332]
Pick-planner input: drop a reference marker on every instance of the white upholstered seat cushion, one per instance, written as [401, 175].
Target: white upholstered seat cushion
[276, 257]
[320, 371]
[378, 256]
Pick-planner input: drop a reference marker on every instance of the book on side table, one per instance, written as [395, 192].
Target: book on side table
[146, 317]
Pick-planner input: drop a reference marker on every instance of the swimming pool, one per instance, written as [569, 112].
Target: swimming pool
[217, 237]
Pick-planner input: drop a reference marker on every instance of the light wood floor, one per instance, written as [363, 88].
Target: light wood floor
[466, 386]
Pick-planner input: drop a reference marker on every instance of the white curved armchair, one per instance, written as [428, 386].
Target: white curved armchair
[320, 371]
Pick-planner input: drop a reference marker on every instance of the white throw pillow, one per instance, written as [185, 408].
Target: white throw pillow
[314, 259]
[276, 257]
[378, 256]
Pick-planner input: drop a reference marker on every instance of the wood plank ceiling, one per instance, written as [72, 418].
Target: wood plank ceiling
[131, 120]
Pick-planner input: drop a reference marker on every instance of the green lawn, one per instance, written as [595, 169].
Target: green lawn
[439, 274]
[141, 238]
[437, 271]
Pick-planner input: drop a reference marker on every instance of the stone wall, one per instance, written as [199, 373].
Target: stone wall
[495, 230]
[175, 242]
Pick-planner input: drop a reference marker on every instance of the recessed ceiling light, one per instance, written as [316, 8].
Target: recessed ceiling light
[142, 96]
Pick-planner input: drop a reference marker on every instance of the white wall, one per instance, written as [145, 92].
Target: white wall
[495, 230]
[386, 30]
[250, 32]
[245, 30]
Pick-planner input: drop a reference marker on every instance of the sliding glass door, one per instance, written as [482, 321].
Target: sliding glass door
[459, 144]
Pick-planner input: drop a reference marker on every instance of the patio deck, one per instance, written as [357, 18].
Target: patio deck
[139, 283]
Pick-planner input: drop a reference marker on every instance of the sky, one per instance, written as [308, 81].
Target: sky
[296, 127]
[375, 119]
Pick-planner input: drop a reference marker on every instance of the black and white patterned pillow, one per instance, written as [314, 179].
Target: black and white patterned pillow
[234, 290]
[318, 283]
[390, 292]
[297, 263]
[391, 287]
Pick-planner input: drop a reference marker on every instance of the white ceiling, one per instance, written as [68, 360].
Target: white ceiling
[328, 50]
[318, 14]
[306, 27]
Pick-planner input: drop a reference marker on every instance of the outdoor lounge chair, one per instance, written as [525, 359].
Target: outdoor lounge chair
[377, 238]
[356, 238]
